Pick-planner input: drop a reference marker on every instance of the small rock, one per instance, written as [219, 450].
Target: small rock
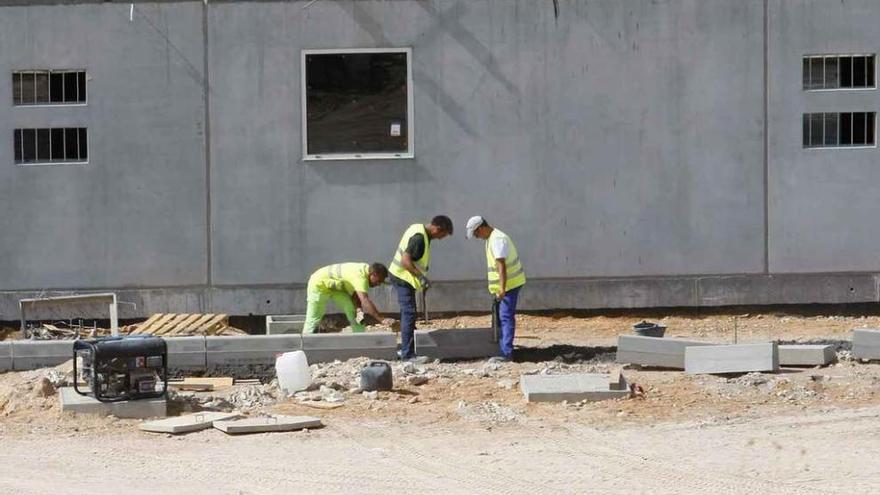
[414, 400]
[507, 383]
[44, 388]
[371, 395]
[417, 380]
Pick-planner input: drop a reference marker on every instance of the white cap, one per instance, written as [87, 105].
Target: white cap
[472, 224]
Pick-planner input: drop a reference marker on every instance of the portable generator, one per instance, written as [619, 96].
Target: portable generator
[121, 368]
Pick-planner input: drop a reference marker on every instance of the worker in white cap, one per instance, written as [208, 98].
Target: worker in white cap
[506, 278]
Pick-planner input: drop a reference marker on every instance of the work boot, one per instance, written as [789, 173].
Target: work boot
[419, 359]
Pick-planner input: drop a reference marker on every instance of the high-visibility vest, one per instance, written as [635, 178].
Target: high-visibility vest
[515, 274]
[397, 268]
[344, 277]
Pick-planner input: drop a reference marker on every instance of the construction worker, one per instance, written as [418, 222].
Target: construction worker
[347, 285]
[408, 274]
[506, 278]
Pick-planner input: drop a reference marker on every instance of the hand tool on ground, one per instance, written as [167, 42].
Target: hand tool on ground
[496, 330]
[424, 295]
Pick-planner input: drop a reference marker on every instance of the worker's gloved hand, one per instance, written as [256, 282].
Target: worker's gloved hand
[424, 282]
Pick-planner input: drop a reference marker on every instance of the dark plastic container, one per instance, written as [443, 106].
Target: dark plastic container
[648, 329]
[376, 376]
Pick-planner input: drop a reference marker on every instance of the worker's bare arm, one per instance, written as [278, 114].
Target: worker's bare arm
[367, 305]
[408, 265]
[501, 266]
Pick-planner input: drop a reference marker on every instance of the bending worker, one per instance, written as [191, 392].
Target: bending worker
[347, 285]
[506, 278]
[409, 274]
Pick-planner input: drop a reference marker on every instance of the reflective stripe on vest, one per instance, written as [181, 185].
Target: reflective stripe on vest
[515, 274]
[422, 264]
[334, 276]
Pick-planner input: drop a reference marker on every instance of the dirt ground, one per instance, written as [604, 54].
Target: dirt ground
[468, 429]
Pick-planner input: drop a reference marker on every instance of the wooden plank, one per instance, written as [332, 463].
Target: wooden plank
[186, 325]
[215, 324]
[149, 321]
[173, 326]
[192, 387]
[198, 324]
[154, 325]
[170, 324]
[218, 382]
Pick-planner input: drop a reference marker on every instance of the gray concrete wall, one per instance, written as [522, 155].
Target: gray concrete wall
[620, 139]
[135, 215]
[824, 213]
[620, 144]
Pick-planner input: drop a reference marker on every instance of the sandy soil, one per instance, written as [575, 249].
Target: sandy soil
[468, 430]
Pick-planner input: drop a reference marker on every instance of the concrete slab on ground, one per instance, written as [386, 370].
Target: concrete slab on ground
[806, 355]
[463, 343]
[187, 353]
[660, 352]
[573, 388]
[137, 409]
[34, 354]
[284, 324]
[734, 358]
[323, 348]
[245, 350]
[866, 343]
[188, 423]
[267, 424]
[5, 356]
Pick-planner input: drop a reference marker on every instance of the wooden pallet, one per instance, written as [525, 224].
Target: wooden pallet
[168, 324]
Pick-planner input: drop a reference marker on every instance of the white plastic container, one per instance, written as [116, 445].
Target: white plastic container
[292, 370]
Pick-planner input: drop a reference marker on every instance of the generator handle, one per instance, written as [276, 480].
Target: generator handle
[75, 367]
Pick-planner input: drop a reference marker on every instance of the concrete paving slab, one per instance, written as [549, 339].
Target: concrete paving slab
[866, 343]
[734, 358]
[246, 350]
[806, 355]
[267, 424]
[5, 356]
[464, 343]
[187, 353]
[284, 324]
[137, 409]
[323, 348]
[573, 388]
[34, 354]
[654, 351]
[188, 423]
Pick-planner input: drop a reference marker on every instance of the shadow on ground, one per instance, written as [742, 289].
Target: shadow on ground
[564, 353]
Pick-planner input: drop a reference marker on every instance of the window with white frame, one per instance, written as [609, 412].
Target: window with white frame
[821, 72]
[839, 129]
[48, 87]
[54, 145]
[357, 103]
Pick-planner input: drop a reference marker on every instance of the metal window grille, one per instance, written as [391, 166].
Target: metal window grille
[49, 87]
[55, 145]
[829, 72]
[839, 129]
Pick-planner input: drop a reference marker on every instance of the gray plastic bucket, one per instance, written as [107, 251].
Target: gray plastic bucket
[648, 329]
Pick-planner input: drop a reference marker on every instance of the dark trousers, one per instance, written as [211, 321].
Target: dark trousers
[406, 299]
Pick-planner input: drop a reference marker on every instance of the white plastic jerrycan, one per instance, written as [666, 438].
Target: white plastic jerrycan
[292, 370]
